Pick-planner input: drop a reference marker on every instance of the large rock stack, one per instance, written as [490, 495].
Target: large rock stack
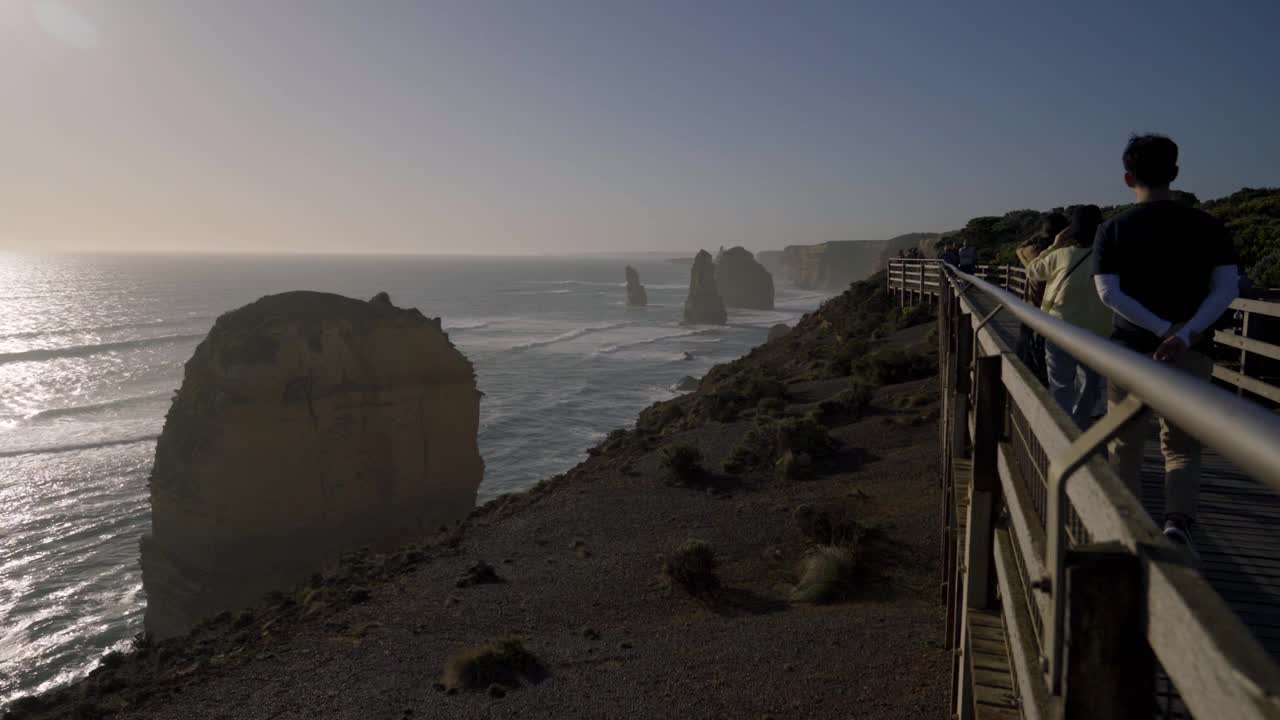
[307, 425]
[636, 296]
[703, 306]
[743, 282]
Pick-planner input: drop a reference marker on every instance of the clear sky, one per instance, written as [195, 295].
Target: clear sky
[603, 125]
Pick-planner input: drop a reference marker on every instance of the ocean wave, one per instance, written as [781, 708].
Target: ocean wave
[610, 349]
[54, 449]
[96, 407]
[570, 335]
[95, 349]
[28, 334]
[595, 283]
[468, 325]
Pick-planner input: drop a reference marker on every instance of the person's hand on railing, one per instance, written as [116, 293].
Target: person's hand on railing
[1172, 347]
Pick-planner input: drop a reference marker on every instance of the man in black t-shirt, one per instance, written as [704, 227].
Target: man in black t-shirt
[1168, 271]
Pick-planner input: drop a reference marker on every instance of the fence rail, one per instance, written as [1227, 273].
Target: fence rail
[1047, 553]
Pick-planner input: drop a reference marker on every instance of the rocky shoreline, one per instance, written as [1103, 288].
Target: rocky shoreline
[764, 546]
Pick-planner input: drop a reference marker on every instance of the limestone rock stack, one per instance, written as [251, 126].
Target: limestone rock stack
[703, 306]
[743, 282]
[636, 296]
[307, 425]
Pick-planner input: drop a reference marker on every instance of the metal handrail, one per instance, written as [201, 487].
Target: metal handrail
[1242, 431]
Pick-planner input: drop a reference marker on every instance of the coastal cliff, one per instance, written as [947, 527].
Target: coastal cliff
[704, 305]
[636, 296]
[764, 546]
[743, 282]
[307, 424]
[830, 265]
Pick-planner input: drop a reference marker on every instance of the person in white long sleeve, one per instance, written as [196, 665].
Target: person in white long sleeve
[1168, 271]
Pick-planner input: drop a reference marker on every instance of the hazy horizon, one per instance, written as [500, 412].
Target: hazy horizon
[573, 127]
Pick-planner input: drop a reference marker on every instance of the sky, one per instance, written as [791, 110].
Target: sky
[570, 126]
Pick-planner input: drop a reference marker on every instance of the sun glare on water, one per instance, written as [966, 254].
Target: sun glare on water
[66, 24]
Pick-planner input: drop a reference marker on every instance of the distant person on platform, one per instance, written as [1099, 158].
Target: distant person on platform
[950, 256]
[1168, 271]
[1070, 295]
[968, 258]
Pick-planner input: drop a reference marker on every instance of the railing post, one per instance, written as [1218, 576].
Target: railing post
[959, 418]
[984, 490]
[1244, 354]
[1109, 668]
[977, 573]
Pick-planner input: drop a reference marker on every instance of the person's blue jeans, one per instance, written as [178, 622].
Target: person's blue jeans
[1061, 367]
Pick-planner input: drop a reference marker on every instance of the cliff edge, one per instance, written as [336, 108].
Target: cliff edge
[307, 424]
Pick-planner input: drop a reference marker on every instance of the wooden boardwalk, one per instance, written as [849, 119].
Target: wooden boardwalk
[1238, 531]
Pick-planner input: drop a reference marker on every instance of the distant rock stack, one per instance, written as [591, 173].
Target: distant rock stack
[307, 425]
[703, 306]
[743, 282]
[636, 296]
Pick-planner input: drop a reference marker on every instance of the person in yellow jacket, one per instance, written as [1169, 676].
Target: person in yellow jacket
[1070, 294]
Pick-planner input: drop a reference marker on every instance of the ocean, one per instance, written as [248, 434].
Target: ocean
[92, 348]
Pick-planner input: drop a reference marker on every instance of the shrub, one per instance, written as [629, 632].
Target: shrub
[804, 435]
[757, 445]
[856, 398]
[793, 466]
[760, 386]
[692, 568]
[724, 405]
[888, 367]
[913, 315]
[770, 406]
[827, 574]
[1266, 272]
[505, 663]
[829, 524]
[682, 462]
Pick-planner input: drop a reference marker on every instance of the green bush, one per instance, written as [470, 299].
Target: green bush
[793, 466]
[804, 435]
[760, 387]
[771, 406]
[682, 462]
[827, 574]
[913, 315]
[505, 663]
[757, 445]
[1266, 272]
[724, 405]
[692, 568]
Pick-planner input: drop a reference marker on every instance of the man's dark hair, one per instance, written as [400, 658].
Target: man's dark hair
[1051, 224]
[1152, 160]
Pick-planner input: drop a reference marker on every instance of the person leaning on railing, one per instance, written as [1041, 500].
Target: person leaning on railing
[1168, 271]
[1069, 294]
[1030, 345]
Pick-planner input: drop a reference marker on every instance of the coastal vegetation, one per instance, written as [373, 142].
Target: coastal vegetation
[1252, 216]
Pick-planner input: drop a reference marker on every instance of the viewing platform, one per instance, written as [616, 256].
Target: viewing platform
[1064, 599]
